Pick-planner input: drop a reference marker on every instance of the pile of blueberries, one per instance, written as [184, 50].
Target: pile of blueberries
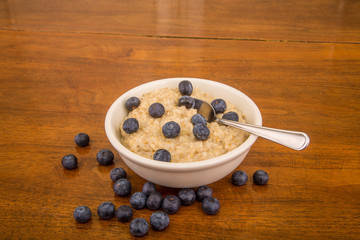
[149, 197]
[172, 129]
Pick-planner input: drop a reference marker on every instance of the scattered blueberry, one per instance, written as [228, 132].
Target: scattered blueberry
[260, 177]
[233, 116]
[106, 210]
[122, 187]
[131, 125]
[124, 213]
[219, 105]
[185, 87]
[171, 204]
[117, 173]
[210, 205]
[187, 196]
[198, 119]
[105, 157]
[82, 214]
[203, 192]
[138, 200]
[82, 139]
[239, 178]
[186, 101]
[162, 155]
[201, 131]
[156, 110]
[154, 200]
[139, 227]
[148, 188]
[159, 220]
[69, 161]
[171, 129]
[132, 103]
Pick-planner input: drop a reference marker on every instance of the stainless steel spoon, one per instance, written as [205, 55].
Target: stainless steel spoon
[291, 139]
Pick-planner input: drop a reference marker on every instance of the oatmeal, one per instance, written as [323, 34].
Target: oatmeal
[183, 146]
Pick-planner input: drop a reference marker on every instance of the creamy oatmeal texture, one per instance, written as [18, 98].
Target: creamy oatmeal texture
[185, 147]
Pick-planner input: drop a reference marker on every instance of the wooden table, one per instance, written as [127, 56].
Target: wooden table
[63, 63]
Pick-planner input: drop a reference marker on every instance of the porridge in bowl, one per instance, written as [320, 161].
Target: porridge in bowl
[164, 125]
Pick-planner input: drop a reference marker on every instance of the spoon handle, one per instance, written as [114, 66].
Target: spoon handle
[292, 139]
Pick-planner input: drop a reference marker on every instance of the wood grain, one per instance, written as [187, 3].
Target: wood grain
[63, 63]
[56, 85]
[321, 20]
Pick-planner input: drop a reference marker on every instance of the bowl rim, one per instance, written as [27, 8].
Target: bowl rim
[170, 166]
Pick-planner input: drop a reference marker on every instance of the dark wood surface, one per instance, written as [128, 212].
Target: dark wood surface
[63, 63]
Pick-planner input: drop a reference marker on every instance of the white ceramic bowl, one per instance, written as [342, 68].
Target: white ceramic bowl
[181, 175]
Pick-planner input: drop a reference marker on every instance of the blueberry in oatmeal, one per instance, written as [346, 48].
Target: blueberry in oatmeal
[156, 110]
[185, 87]
[171, 129]
[131, 125]
[162, 155]
[186, 101]
[233, 116]
[219, 105]
[198, 118]
[201, 131]
[132, 103]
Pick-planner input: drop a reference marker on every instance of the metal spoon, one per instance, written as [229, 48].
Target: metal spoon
[291, 139]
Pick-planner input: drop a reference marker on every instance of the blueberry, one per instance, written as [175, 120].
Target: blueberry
[124, 213]
[187, 196]
[132, 103]
[117, 173]
[201, 131]
[82, 214]
[185, 87]
[159, 220]
[106, 210]
[148, 188]
[105, 157]
[186, 101]
[171, 204]
[139, 227]
[219, 105]
[131, 125]
[69, 161]
[122, 187]
[154, 200]
[233, 116]
[82, 139]
[138, 200]
[156, 110]
[203, 192]
[198, 119]
[210, 205]
[239, 178]
[171, 129]
[162, 155]
[260, 177]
